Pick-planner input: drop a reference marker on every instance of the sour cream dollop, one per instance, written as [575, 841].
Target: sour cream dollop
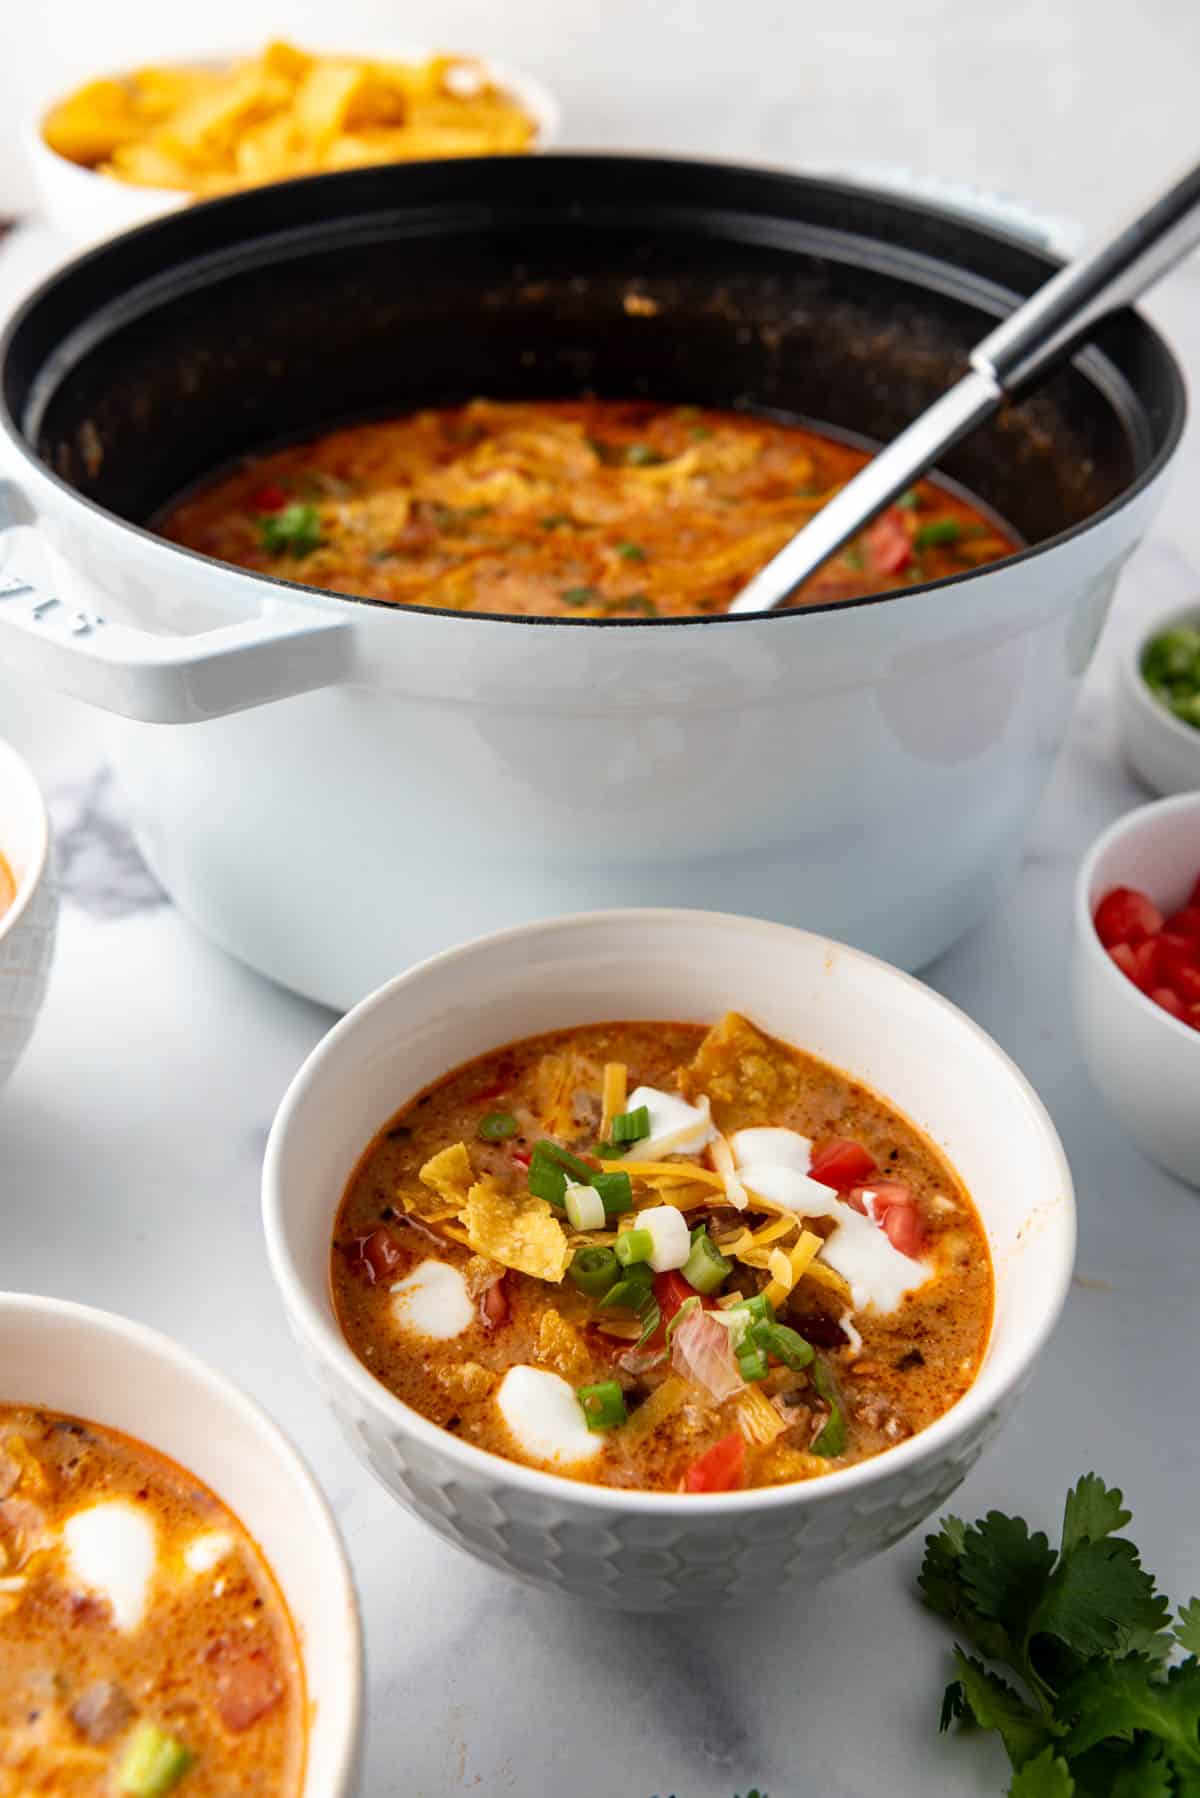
[112, 1550]
[676, 1128]
[433, 1301]
[545, 1418]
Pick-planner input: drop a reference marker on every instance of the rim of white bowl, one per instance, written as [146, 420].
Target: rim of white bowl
[38, 860]
[1135, 681]
[925, 1445]
[1128, 824]
[154, 1343]
[542, 105]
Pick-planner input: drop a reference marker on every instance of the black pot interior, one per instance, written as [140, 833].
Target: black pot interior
[167, 353]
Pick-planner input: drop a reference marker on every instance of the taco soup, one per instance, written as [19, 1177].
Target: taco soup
[574, 509]
[652, 1256]
[144, 1645]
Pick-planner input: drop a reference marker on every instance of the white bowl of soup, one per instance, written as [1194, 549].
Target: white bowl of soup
[178, 1614]
[843, 1224]
[28, 906]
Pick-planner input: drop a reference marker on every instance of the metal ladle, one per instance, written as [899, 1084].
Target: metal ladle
[1028, 345]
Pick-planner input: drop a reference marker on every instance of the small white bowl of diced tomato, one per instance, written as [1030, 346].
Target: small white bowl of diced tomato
[1137, 977]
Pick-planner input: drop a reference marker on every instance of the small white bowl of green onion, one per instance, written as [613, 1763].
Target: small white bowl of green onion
[1160, 704]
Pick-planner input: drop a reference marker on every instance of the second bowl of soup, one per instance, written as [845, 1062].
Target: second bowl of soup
[666, 1257]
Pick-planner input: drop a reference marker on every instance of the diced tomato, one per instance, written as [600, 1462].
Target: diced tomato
[1175, 954]
[1138, 964]
[493, 1306]
[1187, 985]
[888, 543]
[375, 1256]
[840, 1162]
[247, 1681]
[894, 1208]
[1126, 916]
[1185, 922]
[522, 1157]
[671, 1290]
[269, 498]
[1170, 1002]
[720, 1468]
[1194, 895]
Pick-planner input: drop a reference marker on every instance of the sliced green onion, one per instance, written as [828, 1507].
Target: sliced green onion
[651, 1316]
[631, 1126]
[938, 530]
[497, 1126]
[603, 1405]
[758, 1309]
[584, 1206]
[752, 1362]
[616, 1190]
[685, 1310]
[631, 1290]
[832, 1438]
[547, 1182]
[634, 1245]
[153, 1763]
[580, 596]
[594, 1271]
[852, 556]
[636, 602]
[705, 1267]
[609, 1151]
[295, 531]
[552, 1168]
[909, 501]
[786, 1345]
[632, 552]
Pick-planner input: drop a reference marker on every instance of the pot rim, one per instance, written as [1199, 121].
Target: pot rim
[326, 598]
[934, 1442]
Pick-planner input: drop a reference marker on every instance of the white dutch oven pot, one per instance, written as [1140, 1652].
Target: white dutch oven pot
[358, 785]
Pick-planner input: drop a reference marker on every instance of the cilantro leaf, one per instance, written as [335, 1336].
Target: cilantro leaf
[944, 1591]
[1005, 1571]
[1145, 1774]
[1112, 1700]
[991, 1702]
[1093, 1511]
[1187, 1630]
[1046, 1776]
[1101, 1601]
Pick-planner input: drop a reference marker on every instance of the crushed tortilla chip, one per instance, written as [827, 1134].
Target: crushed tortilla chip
[747, 1079]
[781, 1464]
[463, 1380]
[447, 1177]
[481, 1274]
[560, 1346]
[516, 1229]
[663, 1402]
[758, 1420]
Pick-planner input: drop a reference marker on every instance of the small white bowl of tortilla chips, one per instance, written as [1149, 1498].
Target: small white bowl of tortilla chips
[125, 147]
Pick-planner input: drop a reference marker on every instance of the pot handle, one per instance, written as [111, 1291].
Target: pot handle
[285, 650]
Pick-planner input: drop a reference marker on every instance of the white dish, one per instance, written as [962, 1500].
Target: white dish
[85, 207]
[657, 1551]
[27, 928]
[94, 1365]
[1161, 749]
[1145, 1062]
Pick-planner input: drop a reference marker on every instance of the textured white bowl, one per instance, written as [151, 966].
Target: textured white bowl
[1145, 1062]
[102, 1367]
[1161, 750]
[655, 1551]
[27, 928]
[86, 207]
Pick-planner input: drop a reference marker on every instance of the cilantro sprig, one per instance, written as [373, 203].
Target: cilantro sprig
[1103, 1707]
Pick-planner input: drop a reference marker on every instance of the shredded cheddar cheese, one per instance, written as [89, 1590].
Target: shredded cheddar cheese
[666, 1170]
[613, 1100]
[724, 1164]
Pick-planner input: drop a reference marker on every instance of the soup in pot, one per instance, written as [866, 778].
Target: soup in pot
[573, 509]
[652, 1256]
[144, 1645]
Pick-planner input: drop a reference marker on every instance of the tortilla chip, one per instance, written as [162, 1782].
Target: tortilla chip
[516, 1229]
[447, 1178]
[481, 1274]
[560, 1346]
[747, 1080]
[465, 1380]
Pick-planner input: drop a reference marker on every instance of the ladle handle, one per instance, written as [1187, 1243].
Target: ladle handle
[1109, 275]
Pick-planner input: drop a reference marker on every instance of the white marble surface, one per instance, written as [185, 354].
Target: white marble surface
[130, 1141]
